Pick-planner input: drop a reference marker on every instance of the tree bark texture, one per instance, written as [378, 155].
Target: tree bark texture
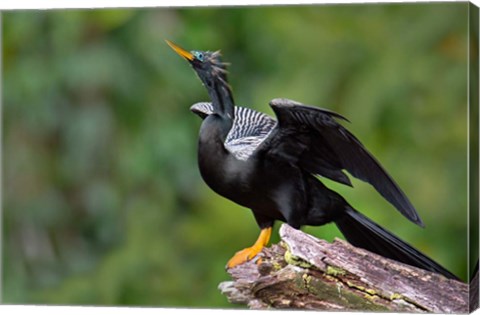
[304, 272]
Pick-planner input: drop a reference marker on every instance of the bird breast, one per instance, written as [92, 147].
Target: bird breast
[222, 172]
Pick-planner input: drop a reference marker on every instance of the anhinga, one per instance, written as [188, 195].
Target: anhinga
[270, 165]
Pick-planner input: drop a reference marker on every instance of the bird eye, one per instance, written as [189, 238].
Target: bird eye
[198, 55]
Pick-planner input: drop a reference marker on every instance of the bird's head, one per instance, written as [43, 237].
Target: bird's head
[212, 71]
[207, 64]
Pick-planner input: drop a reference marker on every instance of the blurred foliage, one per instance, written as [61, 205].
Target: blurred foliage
[103, 202]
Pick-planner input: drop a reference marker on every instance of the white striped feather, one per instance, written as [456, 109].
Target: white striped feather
[250, 128]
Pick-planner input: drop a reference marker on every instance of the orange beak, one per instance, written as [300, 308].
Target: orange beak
[182, 52]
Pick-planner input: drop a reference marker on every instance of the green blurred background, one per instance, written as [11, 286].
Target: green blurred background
[103, 202]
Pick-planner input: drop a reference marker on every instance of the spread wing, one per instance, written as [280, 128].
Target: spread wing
[312, 139]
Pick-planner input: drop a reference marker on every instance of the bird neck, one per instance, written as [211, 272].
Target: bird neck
[222, 98]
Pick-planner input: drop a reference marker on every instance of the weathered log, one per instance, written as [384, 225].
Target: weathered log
[474, 297]
[308, 273]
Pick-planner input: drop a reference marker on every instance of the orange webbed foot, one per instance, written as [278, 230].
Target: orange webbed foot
[249, 253]
[244, 255]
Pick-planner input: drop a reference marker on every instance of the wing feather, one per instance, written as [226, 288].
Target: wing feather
[312, 139]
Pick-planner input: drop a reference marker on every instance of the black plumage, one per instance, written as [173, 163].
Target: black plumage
[269, 166]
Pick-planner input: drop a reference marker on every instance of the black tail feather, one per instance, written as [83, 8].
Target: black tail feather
[364, 233]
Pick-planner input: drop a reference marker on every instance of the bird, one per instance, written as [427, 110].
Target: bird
[274, 167]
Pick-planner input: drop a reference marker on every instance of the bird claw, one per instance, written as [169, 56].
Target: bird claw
[243, 256]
